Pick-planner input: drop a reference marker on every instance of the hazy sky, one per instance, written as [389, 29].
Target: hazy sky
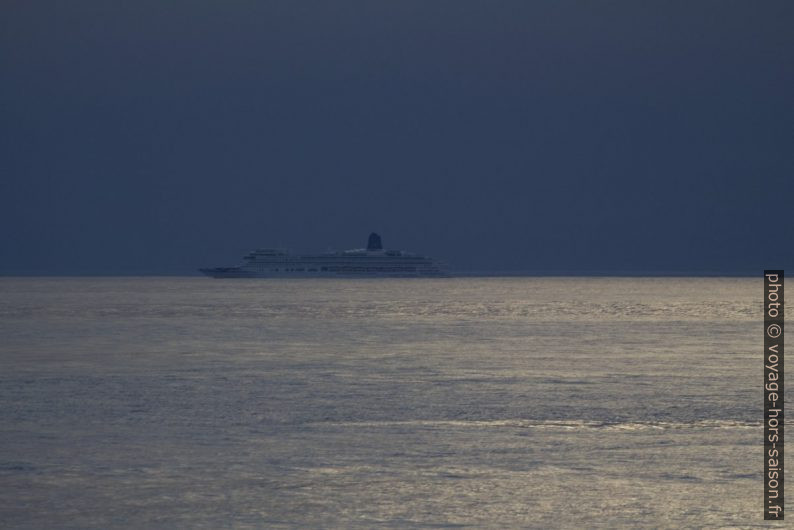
[158, 136]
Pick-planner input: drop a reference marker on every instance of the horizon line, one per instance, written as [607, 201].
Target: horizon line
[742, 273]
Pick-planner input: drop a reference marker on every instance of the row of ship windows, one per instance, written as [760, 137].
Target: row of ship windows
[292, 270]
[348, 269]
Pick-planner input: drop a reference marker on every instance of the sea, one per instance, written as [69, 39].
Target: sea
[502, 402]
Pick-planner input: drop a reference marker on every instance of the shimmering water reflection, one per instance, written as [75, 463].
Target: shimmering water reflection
[507, 402]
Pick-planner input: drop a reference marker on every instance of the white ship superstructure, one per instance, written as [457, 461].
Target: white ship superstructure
[372, 261]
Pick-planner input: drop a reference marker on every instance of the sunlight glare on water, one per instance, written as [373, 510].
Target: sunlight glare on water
[532, 402]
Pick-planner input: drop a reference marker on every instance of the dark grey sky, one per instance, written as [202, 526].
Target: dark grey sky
[157, 136]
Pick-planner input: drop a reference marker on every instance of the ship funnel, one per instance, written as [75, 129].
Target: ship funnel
[374, 242]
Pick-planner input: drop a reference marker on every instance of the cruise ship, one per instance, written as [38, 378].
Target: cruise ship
[373, 261]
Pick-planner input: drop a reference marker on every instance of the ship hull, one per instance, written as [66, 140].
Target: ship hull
[229, 273]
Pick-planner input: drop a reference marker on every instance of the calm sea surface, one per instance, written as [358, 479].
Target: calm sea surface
[502, 402]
